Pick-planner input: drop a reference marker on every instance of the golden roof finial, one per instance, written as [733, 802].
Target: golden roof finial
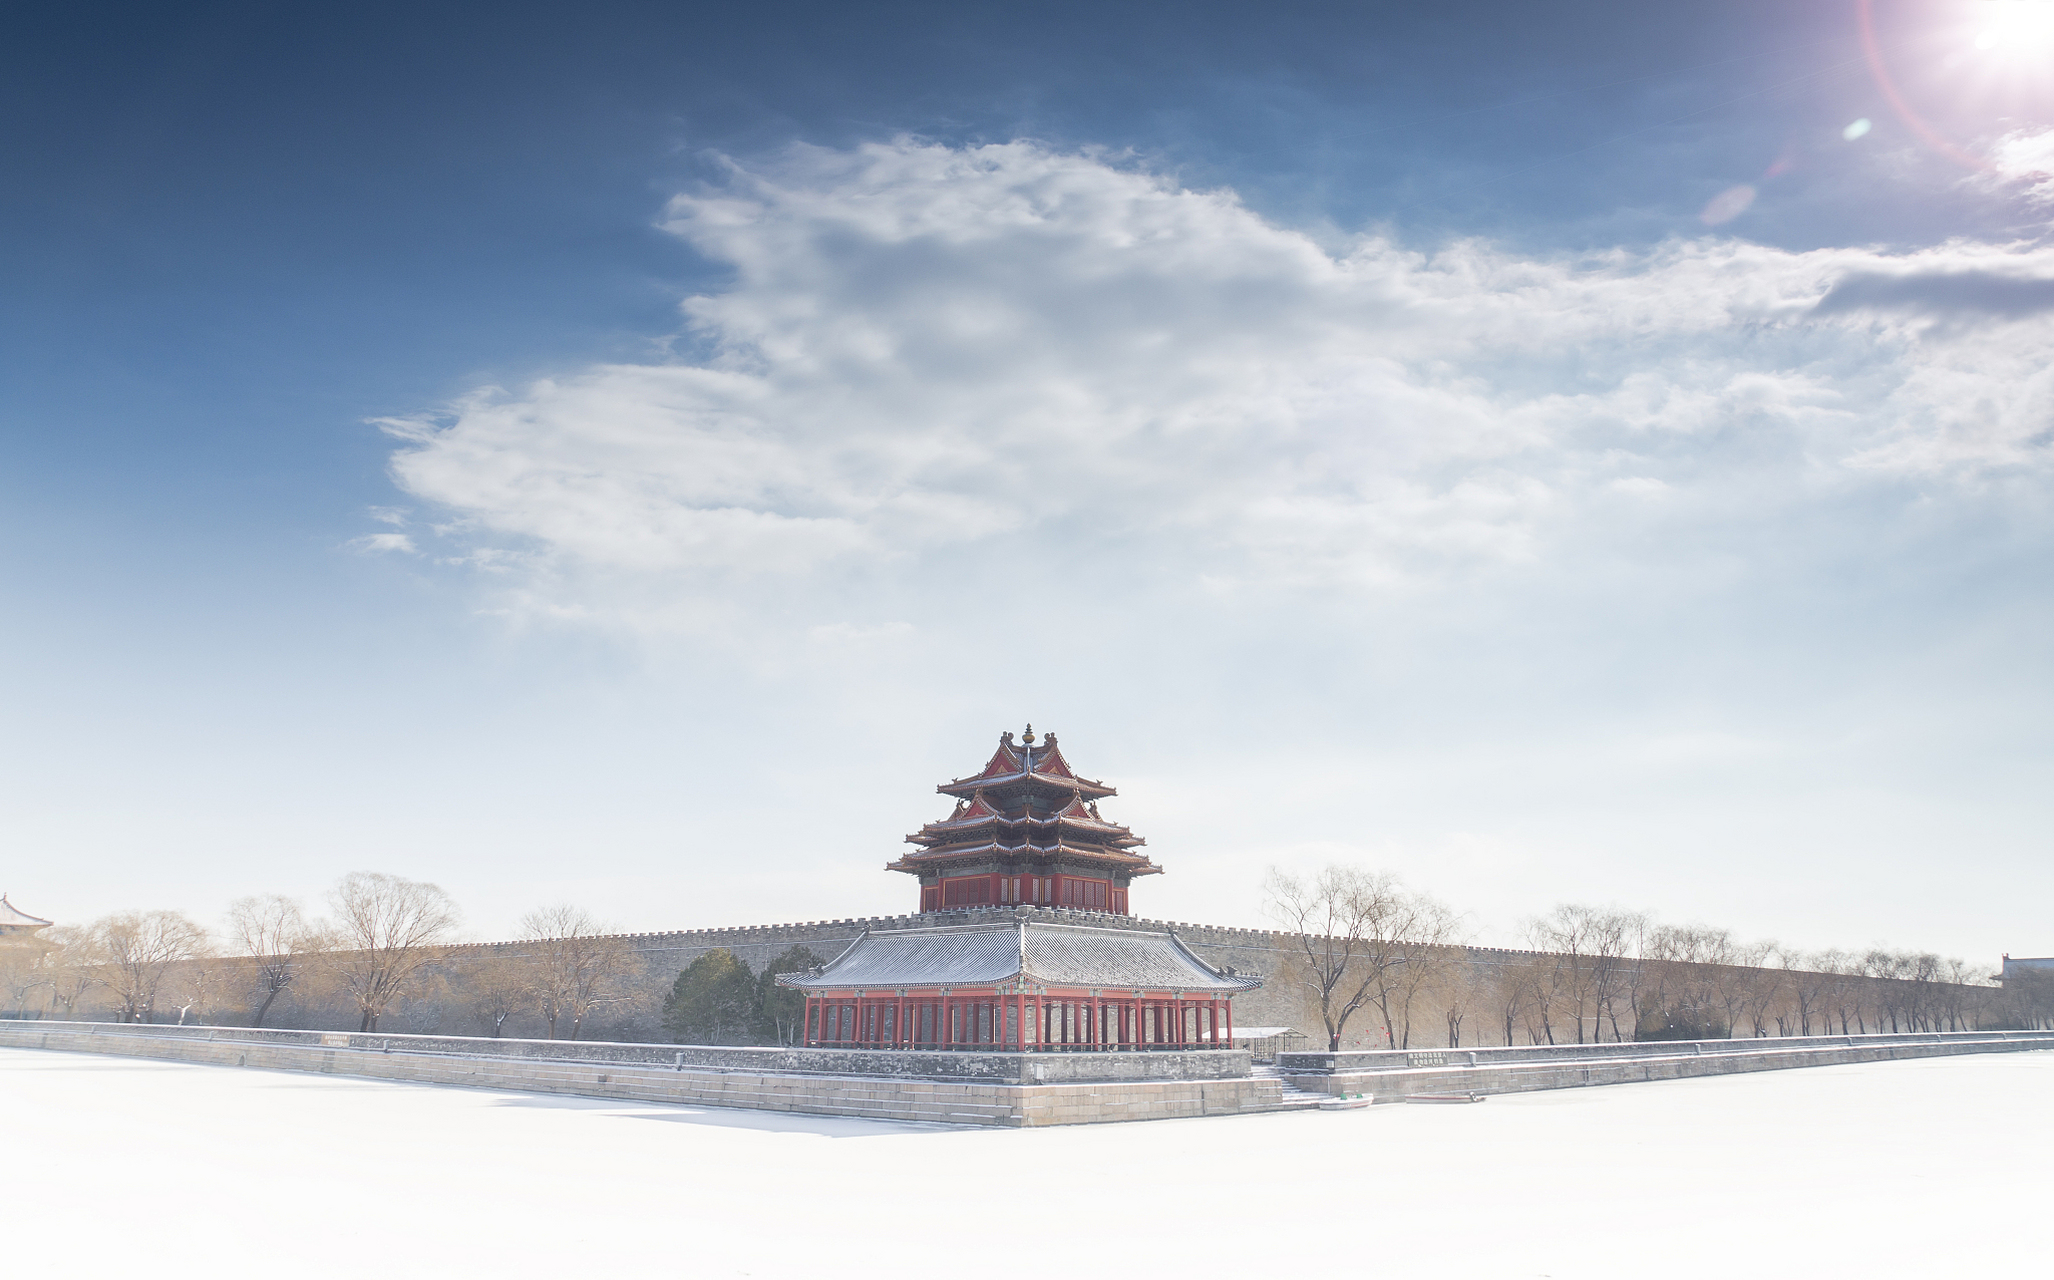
[1028, 737]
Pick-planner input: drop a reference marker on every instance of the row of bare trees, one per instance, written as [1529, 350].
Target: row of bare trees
[1365, 944]
[385, 940]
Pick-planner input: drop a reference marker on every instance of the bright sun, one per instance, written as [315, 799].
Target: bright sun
[2017, 29]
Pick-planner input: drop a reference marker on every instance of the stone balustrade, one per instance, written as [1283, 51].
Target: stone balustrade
[1392, 1074]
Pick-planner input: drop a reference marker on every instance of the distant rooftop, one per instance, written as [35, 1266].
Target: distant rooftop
[2027, 964]
[14, 920]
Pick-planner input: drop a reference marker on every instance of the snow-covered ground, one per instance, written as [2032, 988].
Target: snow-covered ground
[1926, 1168]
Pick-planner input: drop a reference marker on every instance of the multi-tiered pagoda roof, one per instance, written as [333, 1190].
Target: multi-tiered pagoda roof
[1027, 829]
[1025, 833]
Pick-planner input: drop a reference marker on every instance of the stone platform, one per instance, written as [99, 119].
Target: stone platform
[1392, 1075]
[1012, 1090]
[1019, 1090]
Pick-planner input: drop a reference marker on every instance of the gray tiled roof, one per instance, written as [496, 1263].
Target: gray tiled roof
[1046, 954]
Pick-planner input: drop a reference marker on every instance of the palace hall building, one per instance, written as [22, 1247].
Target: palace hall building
[1015, 875]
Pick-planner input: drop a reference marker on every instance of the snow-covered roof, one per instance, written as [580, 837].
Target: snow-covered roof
[13, 917]
[1054, 955]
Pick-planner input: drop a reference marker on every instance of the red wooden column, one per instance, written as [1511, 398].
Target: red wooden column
[1230, 1022]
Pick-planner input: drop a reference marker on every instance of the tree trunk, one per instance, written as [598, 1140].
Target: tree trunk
[262, 1009]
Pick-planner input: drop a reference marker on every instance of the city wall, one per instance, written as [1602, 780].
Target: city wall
[442, 1004]
[658, 958]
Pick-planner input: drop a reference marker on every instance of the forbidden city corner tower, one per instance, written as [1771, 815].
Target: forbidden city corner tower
[1025, 831]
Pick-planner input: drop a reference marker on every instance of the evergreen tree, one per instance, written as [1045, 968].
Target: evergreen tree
[780, 1011]
[714, 1001]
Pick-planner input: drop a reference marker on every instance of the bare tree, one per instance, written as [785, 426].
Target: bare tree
[386, 930]
[136, 949]
[1762, 989]
[1423, 958]
[576, 962]
[1967, 994]
[497, 983]
[1351, 926]
[76, 965]
[1464, 990]
[1512, 989]
[1809, 979]
[196, 986]
[1733, 983]
[1595, 947]
[1840, 995]
[25, 968]
[272, 932]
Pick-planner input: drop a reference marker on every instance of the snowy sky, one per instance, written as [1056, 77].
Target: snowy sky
[630, 455]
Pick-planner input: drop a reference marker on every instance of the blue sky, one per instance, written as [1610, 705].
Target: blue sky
[629, 454]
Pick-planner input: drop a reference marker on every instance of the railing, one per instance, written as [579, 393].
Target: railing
[925, 1046]
[1322, 1062]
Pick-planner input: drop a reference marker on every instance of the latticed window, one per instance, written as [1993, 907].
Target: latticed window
[1090, 894]
[970, 892]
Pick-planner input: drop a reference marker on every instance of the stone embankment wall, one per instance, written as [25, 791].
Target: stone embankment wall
[1005, 1090]
[1387, 1076]
[1008, 1090]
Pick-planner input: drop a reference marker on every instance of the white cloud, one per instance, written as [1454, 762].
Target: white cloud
[2027, 157]
[383, 542]
[926, 351]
